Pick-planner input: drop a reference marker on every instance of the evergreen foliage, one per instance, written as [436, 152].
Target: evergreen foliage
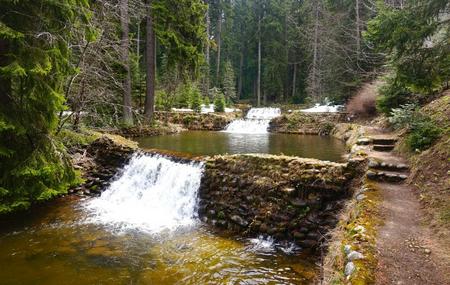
[229, 82]
[219, 103]
[34, 56]
[416, 41]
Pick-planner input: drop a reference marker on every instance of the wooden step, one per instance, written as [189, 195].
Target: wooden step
[386, 176]
[383, 147]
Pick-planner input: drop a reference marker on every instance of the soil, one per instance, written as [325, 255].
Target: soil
[408, 253]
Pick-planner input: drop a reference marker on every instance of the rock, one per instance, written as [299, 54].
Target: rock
[363, 141]
[371, 175]
[347, 249]
[239, 220]
[360, 197]
[427, 251]
[354, 255]
[349, 268]
[373, 164]
[359, 229]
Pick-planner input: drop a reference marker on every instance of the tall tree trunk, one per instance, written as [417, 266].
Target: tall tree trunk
[151, 64]
[208, 50]
[125, 45]
[294, 81]
[258, 79]
[219, 42]
[241, 67]
[315, 64]
[358, 31]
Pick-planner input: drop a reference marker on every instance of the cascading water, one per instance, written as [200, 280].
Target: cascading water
[256, 122]
[152, 194]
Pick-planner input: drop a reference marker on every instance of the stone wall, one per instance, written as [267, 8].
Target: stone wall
[288, 198]
[100, 161]
[306, 123]
[197, 121]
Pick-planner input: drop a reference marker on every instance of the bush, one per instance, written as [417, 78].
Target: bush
[219, 103]
[163, 102]
[422, 130]
[423, 133]
[196, 99]
[392, 95]
[403, 117]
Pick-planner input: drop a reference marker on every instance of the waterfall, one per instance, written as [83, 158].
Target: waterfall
[256, 122]
[153, 193]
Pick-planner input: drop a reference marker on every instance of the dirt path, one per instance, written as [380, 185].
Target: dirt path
[407, 252]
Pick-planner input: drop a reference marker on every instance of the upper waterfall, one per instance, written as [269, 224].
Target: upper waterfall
[256, 121]
[153, 193]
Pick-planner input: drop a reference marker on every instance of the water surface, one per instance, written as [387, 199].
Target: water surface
[212, 143]
[53, 245]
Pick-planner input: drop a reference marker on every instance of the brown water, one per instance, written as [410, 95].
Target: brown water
[53, 245]
[211, 143]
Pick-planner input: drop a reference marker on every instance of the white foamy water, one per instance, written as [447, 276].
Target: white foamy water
[152, 194]
[256, 122]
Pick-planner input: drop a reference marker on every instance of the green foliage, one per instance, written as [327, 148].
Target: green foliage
[229, 82]
[181, 30]
[219, 103]
[206, 101]
[416, 41]
[392, 95]
[163, 102]
[34, 63]
[404, 116]
[196, 99]
[423, 133]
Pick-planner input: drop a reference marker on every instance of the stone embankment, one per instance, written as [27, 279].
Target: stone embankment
[306, 123]
[289, 198]
[100, 161]
[198, 121]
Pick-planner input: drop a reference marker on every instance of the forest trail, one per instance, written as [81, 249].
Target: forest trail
[407, 252]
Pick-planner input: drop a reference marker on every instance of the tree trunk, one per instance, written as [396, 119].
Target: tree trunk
[125, 44]
[258, 79]
[150, 68]
[358, 31]
[207, 56]
[294, 80]
[241, 67]
[219, 43]
[314, 76]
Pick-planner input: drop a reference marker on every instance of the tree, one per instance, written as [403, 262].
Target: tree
[150, 65]
[229, 82]
[34, 57]
[125, 58]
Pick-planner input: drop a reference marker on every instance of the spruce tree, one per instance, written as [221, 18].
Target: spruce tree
[34, 56]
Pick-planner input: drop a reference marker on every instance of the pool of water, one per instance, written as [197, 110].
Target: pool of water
[211, 143]
[56, 244]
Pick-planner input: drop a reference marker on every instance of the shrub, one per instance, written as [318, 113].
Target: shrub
[423, 133]
[392, 95]
[403, 117]
[196, 100]
[219, 103]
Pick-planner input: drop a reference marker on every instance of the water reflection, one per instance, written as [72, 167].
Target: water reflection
[211, 143]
